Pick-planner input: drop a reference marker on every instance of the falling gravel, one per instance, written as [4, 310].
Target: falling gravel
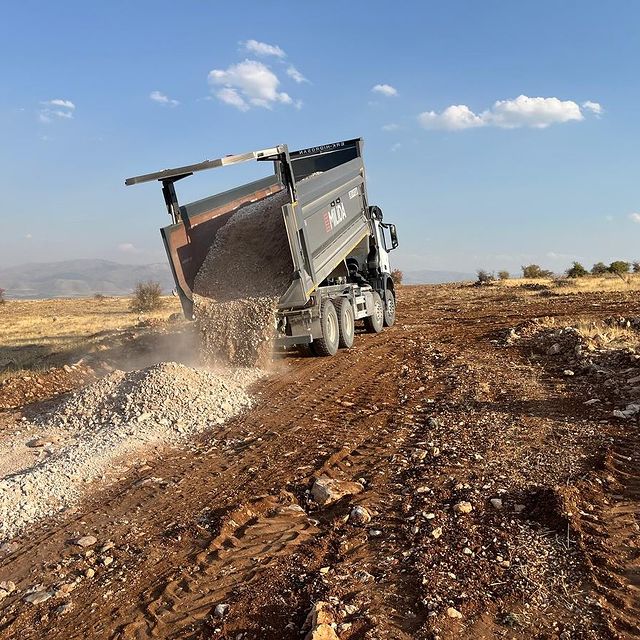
[238, 287]
[109, 422]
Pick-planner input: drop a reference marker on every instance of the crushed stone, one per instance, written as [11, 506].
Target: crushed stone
[111, 419]
[237, 289]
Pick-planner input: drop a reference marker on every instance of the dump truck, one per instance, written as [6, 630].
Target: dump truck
[339, 242]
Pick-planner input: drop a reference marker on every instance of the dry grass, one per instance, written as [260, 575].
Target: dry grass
[608, 282]
[36, 333]
[599, 334]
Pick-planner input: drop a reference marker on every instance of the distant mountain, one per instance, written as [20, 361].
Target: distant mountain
[429, 276]
[75, 278]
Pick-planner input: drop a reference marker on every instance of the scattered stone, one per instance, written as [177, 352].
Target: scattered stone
[453, 613]
[568, 372]
[519, 508]
[8, 585]
[463, 507]
[436, 533]
[327, 490]
[375, 533]
[554, 349]
[107, 560]
[89, 573]
[320, 623]
[467, 551]
[592, 401]
[221, 610]
[433, 423]
[65, 607]
[359, 515]
[496, 503]
[37, 597]
[86, 541]
[39, 442]
[106, 546]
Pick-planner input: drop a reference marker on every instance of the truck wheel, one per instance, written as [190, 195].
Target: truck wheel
[346, 322]
[327, 345]
[375, 322]
[389, 309]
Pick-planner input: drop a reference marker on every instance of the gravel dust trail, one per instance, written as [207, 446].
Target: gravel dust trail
[500, 504]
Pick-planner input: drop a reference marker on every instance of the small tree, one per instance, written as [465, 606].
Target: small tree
[397, 276]
[2, 300]
[503, 275]
[577, 271]
[534, 271]
[147, 296]
[485, 277]
[99, 297]
[599, 269]
[619, 267]
[636, 267]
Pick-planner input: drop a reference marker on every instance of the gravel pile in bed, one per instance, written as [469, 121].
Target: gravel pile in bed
[110, 421]
[247, 270]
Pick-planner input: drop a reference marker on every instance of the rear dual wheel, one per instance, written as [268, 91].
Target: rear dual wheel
[337, 322]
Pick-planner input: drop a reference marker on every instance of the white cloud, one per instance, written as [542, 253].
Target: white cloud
[635, 217]
[28, 236]
[392, 126]
[537, 113]
[396, 147]
[161, 98]
[127, 247]
[594, 107]
[228, 95]
[263, 49]
[67, 104]
[453, 118]
[57, 108]
[293, 73]
[248, 83]
[385, 90]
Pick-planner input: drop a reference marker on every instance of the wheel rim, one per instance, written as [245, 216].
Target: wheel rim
[391, 306]
[332, 328]
[351, 325]
[379, 311]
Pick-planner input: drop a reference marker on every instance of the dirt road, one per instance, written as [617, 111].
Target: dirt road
[501, 504]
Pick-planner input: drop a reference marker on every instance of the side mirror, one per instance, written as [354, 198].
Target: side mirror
[394, 236]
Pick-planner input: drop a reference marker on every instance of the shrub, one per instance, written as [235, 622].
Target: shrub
[147, 296]
[636, 267]
[619, 267]
[577, 271]
[397, 276]
[2, 300]
[485, 277]
[599, 268]
[534, 271]
[503, 275]
[99, 297]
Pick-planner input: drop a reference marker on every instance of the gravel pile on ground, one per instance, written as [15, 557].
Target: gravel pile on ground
[114, 418]
[247, 270]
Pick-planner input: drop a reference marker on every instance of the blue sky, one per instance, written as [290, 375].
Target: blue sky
[474, 175]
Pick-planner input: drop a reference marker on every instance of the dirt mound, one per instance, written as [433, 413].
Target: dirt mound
[240, 282]
[104, 423]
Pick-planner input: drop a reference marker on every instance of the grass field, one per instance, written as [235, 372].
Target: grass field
[608, 282]
[37, 333]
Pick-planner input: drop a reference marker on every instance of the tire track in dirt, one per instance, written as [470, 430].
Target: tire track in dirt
[617, 564]
[252, 538]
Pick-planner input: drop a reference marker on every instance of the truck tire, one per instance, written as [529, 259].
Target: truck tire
[389, 308]
[327, 345]
[346, 322]
[374, 323]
